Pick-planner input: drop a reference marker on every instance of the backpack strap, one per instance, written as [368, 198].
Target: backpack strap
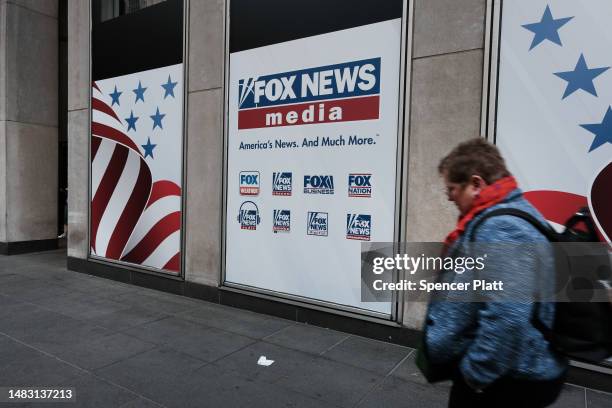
[545, 230]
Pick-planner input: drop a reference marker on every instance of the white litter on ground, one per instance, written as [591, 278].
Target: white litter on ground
[263, 361]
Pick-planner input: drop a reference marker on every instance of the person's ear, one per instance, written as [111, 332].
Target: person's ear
[477, 183]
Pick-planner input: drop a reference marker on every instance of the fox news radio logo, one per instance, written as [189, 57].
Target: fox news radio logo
[359, 185]
[248, 216]
[249, 183]
[317, 224]
[358, 226]
[349, 91]
[319, 184]
[282, 183]
[282, 221]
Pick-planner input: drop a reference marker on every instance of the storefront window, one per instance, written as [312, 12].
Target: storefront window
[109, 9]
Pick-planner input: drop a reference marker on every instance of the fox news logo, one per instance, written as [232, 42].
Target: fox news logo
[249, 183]
[359, 185]
[248, 216]
[281, 183]
[319, 184]
[282, 221]
[358, 226]
[347, 91]
[317, 224]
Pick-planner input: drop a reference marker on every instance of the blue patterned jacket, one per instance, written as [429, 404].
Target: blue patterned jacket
[496, 339]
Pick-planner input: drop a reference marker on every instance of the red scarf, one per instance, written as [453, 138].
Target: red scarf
[489, 196]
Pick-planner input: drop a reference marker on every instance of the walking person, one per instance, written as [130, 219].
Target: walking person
[491, 350]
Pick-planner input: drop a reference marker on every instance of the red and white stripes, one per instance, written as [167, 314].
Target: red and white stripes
[133, 218]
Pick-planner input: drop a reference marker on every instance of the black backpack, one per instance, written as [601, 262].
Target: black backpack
[582, 330]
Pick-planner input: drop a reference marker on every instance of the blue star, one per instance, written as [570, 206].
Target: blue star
[139, 92]
[115, 95]
[602, 131]
[581, 78]
[148, 148]
[546, 29]
[131, 121]
[157, 119]
[169, 87]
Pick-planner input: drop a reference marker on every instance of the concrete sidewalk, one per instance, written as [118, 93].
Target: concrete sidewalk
[123, 346]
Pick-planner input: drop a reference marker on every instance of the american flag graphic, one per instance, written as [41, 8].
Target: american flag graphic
[136, 167]
[554, 115]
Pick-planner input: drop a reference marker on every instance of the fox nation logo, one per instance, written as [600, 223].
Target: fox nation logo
[348, 91]
[282, 221]
[282, 183]
[248, 216]
[317, 224]
[358, 226]
[249, 183]
[359, 185]
[318, 184]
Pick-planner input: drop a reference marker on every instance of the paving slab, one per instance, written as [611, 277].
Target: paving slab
[371, 355]
[152, 373]
[596, 399]
[317, 377]
[571, 397]
[212, 386]
[235, 320]
[127, 318]
[103, 351]
[206, 343]
[92, 392]
[306, 338]
[395, 392]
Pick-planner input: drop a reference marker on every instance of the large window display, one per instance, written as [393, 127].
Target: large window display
[554, 120]
[553, 111]
[137, 136]
[313, 105]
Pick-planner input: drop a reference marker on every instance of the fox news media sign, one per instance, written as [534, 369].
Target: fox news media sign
[312, 139]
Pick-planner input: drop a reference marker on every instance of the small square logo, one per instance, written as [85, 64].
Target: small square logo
[317, 224]
[323, 184]
[358, 226]
[282, 221]
[360, 185]
[249, 183]
[248, 216]
[282, 183]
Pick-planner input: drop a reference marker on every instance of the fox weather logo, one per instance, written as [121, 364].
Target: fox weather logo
[281, 183]
[317, 224]
[319, 184]
[249, 183]
[359, 185]
[282, 221]
[358, 226]
[248, 216]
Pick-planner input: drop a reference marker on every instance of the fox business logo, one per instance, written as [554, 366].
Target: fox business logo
[248, 216]
[319, 184]
[348, 91]
[358, 226]
[359, 185]
[282, 221]
[282, 183]
[317, 224]
[249, 183]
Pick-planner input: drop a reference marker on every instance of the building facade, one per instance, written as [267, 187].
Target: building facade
[99, 78]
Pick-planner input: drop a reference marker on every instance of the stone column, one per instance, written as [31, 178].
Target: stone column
[28, 125]
[203, 184]
[444, 109]
[78, 127]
